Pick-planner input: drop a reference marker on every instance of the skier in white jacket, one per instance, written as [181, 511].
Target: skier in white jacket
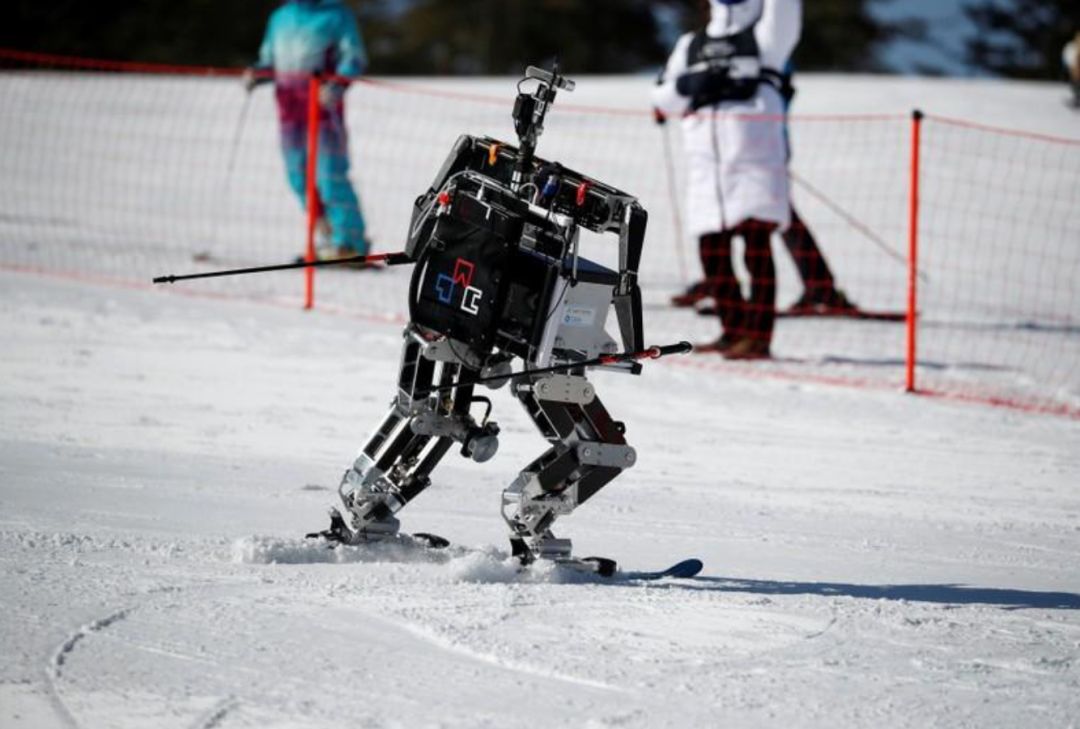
[724, 82]
[1070, 60]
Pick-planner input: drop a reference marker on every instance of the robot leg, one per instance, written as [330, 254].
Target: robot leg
[588, 450]
[424, 421]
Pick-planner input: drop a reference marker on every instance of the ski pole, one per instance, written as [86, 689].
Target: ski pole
[673, 200]
[223, 198]
[853, 222]
[604, 359]
[237, 134]
[390, 259]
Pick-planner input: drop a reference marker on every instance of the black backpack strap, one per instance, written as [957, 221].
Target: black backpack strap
[693, 51]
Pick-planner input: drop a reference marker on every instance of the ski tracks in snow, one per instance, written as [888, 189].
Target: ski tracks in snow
[54, 670]
[449, 645]
[217, 714]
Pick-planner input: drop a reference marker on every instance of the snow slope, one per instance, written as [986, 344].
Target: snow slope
[872, 559]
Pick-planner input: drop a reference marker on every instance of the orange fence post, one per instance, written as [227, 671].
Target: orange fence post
[913, 248]
[311, 191]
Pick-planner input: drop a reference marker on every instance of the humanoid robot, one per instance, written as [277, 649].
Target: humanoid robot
[498, 277]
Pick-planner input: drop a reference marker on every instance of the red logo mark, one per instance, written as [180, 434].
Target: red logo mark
[463, 272]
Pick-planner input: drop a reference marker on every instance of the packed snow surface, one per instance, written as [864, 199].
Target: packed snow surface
[871, 558]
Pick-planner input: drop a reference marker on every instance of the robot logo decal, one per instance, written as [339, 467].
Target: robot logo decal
[470, 302]
[446, 287]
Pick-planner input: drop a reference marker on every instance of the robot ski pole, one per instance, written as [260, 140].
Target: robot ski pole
[607, 359]
[388, 259]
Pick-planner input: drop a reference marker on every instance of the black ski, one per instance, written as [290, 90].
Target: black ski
[868, 314]
[431, 541]
[679, 570]
[833, 313]
[607, 568]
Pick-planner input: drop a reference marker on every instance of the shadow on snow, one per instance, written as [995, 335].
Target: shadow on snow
[941, 594]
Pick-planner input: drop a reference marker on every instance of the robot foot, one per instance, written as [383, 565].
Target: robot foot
[547, 547]
[337, 533]
[372, 531]
[386, 530]
[558, 551]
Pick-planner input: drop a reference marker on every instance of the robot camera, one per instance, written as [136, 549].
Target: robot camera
[551, 78]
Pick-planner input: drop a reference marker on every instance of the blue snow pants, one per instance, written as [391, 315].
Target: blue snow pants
[338, 202]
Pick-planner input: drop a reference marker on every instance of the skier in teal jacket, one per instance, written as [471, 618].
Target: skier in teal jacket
[305, 37]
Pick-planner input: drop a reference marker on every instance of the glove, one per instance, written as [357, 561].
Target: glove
[253, 77]
[694, 84]
[249, 79]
